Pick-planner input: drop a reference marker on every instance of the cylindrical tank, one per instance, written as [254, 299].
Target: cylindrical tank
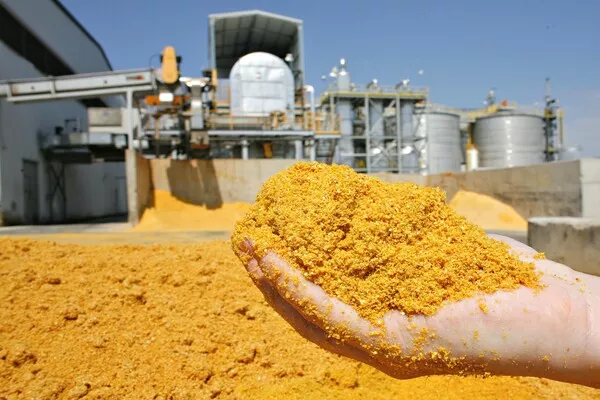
[260, 84]
[509, 139]
[442, 133]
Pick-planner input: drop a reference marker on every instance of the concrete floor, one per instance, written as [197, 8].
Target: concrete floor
[21, 230]
[109, 233]
[118, 232]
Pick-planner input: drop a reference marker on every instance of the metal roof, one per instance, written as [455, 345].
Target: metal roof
[235, 34]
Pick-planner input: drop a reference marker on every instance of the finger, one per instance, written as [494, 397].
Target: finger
[244, 250]
[306, 329]
[318, 336]
[286, 311]
[310, 331]
[338, 319]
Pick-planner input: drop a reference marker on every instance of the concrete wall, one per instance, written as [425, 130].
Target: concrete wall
[590, 187]
[20, 125]
[574, 242]
[552, 189]
[567, 188]
[144, 184]
[213, 182]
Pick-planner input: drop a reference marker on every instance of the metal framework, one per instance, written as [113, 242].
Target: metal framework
[82, 86]
[367, 97]
[78, 86]
[388, 92]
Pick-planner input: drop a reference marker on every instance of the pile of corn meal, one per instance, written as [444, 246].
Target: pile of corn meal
[180, 322]
[377, 246]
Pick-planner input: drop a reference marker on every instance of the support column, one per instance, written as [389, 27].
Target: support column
[132, 189]
[129, 116]
[411, 160]
[312, 145]
[378, 158]
[398, 136]
[133, 208]
[368, 133]
[245, 144]
[56, 171]
[298, 149]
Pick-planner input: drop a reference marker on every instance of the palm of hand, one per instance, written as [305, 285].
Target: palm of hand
[514, 333]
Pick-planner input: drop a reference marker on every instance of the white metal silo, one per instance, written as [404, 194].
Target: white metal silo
[442, 148]
[261, 83]
[509, 139]
[431, 142]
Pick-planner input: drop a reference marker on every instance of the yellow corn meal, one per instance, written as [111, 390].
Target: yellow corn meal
[377, 246]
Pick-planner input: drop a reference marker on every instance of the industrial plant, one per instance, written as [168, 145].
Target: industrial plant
[120, 190]
[252, 102]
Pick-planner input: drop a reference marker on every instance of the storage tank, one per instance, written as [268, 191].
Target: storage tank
[509, 139]
[442, 150]
[260, 84]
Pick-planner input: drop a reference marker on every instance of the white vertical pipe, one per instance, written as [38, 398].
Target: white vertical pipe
[245, 149]
[298, 149]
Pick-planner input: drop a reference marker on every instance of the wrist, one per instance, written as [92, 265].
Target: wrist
[590, 360]
[561, 342]
[583, 365]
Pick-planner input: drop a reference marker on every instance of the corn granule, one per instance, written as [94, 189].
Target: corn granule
[377, 246]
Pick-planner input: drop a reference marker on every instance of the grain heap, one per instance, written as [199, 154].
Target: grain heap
[377, 246]
[487, 212]
[169, 213]
[180, 322]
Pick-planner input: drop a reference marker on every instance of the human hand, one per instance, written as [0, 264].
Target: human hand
[554, 333]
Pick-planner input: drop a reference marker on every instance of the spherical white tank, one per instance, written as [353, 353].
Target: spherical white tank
[261, 83]
[509, 140]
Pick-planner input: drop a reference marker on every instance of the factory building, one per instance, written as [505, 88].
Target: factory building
[35, 186]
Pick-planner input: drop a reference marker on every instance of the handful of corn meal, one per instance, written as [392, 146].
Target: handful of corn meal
[377, 246]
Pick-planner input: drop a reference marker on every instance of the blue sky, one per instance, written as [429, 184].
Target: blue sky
[464, 47]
